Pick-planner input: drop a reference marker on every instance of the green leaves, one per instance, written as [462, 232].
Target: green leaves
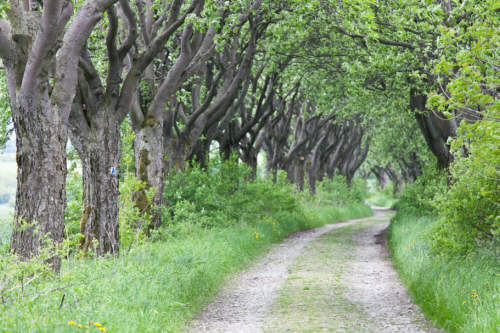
[469, 52]
[5, 113]
[4, 5]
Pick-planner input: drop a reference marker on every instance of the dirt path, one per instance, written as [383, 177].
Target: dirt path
[335, 278]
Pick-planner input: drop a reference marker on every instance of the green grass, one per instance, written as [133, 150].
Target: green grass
[381, 200]
[460, 294]
[158, 286]
[5, 226]
[328, 214]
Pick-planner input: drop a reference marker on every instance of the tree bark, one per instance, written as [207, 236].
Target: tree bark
[436, 131]
[381, 176]
[41, 81]
[99, 151]
[149, 166]
[177, 151]
[249, 157]
[296, 172]
[41, 180]
[201, 153]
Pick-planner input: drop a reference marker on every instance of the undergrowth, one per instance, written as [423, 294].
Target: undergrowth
[457, 285]
[215, 225]
[383, 197]
[459, 293]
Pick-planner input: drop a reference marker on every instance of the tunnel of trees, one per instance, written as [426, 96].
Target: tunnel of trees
[317, 87]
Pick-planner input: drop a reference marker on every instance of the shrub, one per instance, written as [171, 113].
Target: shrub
[132, 222]
[335, 191]
[470, 208]
[419, 198]
[219, 196]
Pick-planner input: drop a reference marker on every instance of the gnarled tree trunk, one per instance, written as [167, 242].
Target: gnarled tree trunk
[41, 81]
[41, 180]
[99, 151]
[149, 166]
[436, 131]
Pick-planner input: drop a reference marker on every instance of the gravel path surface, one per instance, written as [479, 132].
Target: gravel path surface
[373, 285]
[252, 301]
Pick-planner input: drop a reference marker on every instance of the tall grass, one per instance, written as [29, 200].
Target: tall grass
[382, 197]
[157, 287]
[459, 293]
[216, 225]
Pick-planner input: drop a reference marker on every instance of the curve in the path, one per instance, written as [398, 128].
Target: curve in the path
[244, 303]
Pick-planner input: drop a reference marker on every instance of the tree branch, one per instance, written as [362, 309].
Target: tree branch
[114, 61]
[44, 42]
[74, 40]
[144, 60]
[6, 45]
[132, 29]
[380, 40]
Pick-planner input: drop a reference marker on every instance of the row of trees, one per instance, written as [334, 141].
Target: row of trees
[317, 86]
[187, 73]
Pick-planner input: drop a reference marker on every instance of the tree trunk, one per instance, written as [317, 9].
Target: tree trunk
[396, 182]
[381, 176]
[300, 174]
[436, 131]
[225, 151]
[296, 172]
[312, 174]
[149, 164]
[41, 90]
[312, 182]
[250, 159]
[99, 151]
[201, 153]
[177, 151]
[41, 179]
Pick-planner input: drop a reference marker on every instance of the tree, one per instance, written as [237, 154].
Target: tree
[40, 56]
[99, 109]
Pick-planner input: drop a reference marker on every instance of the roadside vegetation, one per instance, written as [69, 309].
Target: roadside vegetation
[382, 197]
[451, 270]
[216, 224]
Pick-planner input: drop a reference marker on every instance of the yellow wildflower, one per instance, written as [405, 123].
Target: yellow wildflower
[463, 303]
[102, 329]
[98, 324]
[87, 326]
[79, 325]
[156, 311]
[71, 322]
[256, 235]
